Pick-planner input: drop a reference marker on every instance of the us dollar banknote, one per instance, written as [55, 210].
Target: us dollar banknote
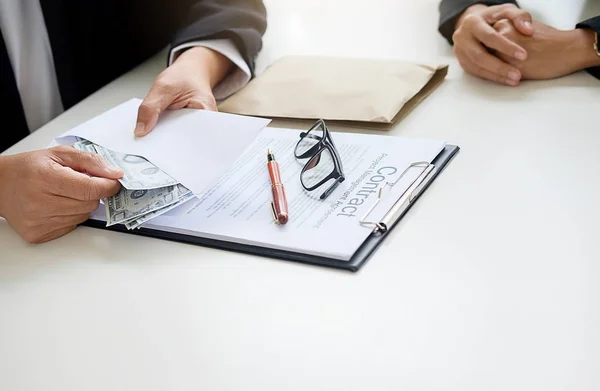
[146, 191]
[85, 145]
[127, 204]
[140, 174]
[138, 221]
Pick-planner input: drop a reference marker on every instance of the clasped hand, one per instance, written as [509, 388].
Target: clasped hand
[503, 44]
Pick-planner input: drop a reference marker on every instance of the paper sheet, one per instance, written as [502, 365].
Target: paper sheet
[193, 146]
[236, 207]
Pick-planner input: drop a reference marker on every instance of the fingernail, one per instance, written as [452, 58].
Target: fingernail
[512, 83]
[139, 129]
[520, 55]
[528, 25]
[514, 76]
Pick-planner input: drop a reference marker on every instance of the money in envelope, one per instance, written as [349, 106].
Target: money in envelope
[146, 191]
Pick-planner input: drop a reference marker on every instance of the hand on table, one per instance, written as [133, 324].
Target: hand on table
[551, 53]
[474, 37]
[45, 194]
[188, 82]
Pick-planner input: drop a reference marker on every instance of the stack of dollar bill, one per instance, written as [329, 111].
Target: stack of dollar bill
[146, 191]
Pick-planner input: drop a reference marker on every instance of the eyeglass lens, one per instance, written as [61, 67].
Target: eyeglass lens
[312, 138]
[318, 168]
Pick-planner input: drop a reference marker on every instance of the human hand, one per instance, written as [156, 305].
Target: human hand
[188, 82]
[45, 194]
[552, 53]
[474, 36]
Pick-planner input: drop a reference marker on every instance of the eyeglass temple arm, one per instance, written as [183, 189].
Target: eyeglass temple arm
[331, 188]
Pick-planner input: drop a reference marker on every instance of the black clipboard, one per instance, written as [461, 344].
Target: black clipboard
[361, 256]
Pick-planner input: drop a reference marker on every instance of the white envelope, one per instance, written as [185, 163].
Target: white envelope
[193, 146]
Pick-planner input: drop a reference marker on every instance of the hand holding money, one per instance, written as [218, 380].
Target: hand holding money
[146, 192]
[46, 194]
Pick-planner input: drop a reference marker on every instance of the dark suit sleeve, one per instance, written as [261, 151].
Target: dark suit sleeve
[451, 10]
[242, 21]
[593, 24]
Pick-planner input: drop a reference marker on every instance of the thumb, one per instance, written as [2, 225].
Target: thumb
[522, 20]
[524, 24]
[158, 99]
[87, 162]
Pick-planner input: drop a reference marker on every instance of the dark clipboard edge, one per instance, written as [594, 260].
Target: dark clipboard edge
[359, 258]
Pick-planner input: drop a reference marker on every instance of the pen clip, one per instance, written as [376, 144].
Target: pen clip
[274, 213]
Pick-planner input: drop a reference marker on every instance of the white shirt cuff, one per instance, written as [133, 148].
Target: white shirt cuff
[236, 80]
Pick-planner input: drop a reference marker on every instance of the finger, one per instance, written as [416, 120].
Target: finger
[55, 234]
[160, 97]
[77, 219]
[59, 222]
[522, 20]
[496, 41]
[63, 225]
[64, 206]
[471, 67]
[203, 103]
[504, 27]
[481, 58]
[72, 184]
[86, 162]
[485, 74]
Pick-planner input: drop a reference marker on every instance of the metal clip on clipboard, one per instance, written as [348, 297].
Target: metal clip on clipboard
[405, 199]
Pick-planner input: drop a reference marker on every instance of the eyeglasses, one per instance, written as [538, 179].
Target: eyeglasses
[324, 164]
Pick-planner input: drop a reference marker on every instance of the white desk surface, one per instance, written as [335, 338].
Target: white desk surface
[491, 282]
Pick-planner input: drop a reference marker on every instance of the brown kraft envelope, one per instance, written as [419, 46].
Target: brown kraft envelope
[337, 88]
